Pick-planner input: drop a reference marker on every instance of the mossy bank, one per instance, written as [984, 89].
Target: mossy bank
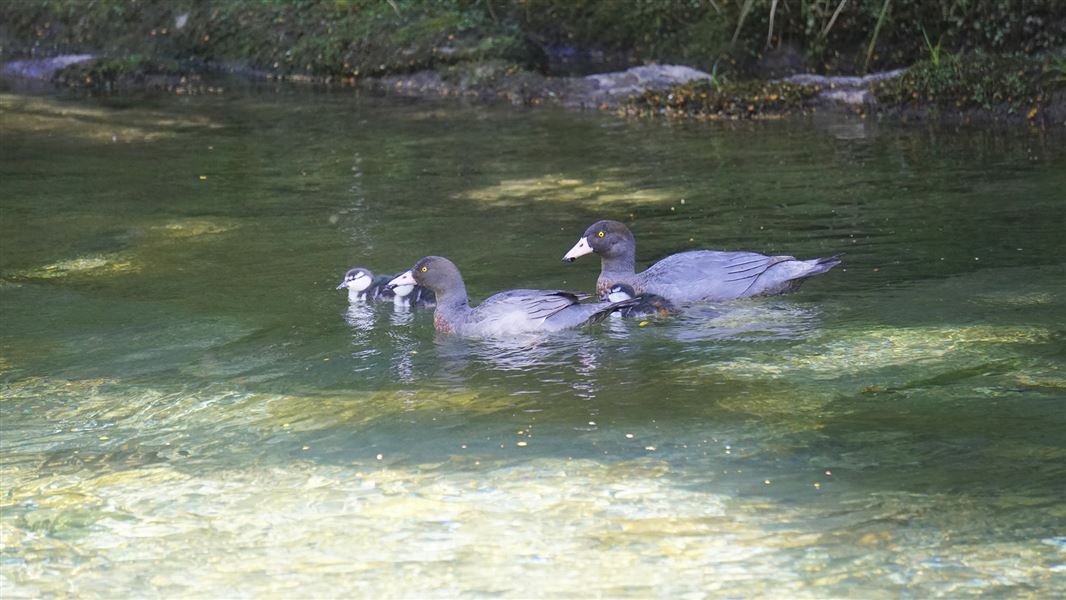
[985, 59]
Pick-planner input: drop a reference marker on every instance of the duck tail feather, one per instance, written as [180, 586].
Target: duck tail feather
[823, 264]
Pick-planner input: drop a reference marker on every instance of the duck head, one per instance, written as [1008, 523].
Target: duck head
[434, 272]
[356, 280]
[606, 238]
[620, 292]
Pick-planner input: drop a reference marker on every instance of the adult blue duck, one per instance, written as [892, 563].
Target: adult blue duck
[503, 314]
[692, 276]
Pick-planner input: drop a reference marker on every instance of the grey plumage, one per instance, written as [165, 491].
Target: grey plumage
[692, 276]
[506, 313]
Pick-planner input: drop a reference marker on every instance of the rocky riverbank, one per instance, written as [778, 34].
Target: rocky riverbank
[673, 91]
[985, 61]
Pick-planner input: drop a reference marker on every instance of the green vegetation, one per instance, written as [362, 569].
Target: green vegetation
[975, 81]
[369, 37]
[321, 38]
[987, 52]
[934, 51]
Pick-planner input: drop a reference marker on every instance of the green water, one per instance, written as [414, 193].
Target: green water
[191, 409]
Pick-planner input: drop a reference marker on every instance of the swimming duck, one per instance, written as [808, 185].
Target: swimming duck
[506, 313]
[362, 286]
[645, 305]
[695, 275]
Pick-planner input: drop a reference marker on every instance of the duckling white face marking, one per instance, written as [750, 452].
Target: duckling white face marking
[617, 294]
[359, 283]
[402, 291]
[581, 248]
[356, 281]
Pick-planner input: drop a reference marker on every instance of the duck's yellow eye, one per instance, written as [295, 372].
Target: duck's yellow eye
[424, 269]
[601, 234]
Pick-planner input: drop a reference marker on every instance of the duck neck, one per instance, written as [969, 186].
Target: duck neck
[451, 305]
[622, 263]
[453, 299]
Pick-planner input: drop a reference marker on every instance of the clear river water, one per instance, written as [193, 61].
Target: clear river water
[190, 409]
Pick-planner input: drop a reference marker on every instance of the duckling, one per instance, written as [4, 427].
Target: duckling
[411, 295]
[643, 304]
[362, 286]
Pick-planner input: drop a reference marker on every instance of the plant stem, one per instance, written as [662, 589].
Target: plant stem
[740, 20]
[833, 19]
[873, 38]
[395, 8]
[770, 31]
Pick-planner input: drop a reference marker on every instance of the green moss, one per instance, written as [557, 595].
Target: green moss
[743, 100]
[975, 81]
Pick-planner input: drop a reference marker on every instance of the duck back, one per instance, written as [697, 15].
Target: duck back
[712, 275]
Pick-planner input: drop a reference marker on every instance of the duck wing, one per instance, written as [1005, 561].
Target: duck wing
[534, 304]
[708, 275]
[521, 311]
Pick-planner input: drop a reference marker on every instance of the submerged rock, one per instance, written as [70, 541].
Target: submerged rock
[846, 90]
[612, 88]
[186, 228]
[92, 265]
[500, 81]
